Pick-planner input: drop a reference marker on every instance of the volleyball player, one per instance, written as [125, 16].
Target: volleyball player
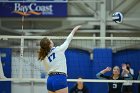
[55, 62]
[127, 86]
[114, 87]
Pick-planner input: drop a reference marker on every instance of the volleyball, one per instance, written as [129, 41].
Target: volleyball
[117, 17]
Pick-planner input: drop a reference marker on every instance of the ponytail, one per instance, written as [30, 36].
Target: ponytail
[45, 48]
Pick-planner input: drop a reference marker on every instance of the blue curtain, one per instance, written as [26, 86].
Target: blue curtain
[102, 59]
[79, 65]
[5, 86]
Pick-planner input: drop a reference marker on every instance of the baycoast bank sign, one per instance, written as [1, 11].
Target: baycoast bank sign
[33, 9]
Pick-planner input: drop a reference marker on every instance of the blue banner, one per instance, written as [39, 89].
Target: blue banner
[33, 9]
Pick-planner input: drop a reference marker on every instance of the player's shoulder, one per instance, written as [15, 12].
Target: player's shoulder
[52, 49]
[57, 48]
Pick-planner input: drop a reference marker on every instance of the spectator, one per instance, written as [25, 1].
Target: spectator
[79, 87]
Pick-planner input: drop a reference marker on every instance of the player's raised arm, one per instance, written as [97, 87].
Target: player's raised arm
[65, 45]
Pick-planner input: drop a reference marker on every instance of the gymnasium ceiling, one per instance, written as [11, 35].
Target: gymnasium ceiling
[84, 12]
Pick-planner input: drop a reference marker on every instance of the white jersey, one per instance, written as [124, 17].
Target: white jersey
[56, 60]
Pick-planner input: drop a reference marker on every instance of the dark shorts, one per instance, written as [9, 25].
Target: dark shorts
[127, 89]
[56, 82]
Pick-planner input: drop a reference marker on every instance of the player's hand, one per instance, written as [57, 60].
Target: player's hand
[124, 66]
[108, 69]
[77, 27]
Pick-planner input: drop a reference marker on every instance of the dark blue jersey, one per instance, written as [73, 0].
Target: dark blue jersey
[114, 87]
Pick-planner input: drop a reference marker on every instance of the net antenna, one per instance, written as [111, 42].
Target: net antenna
[21, 44]
[22, 60]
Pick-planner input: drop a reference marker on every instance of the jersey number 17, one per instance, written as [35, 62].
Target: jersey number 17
[51, 57]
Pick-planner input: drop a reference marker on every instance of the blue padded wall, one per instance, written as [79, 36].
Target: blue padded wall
[79, 65]
[5, 86]
[102, 59]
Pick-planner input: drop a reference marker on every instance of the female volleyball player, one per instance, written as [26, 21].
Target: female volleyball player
[127, 86]
[55, 62]
[114, 87]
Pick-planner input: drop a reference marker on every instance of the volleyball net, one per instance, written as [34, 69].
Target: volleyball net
[24, 51]
[86, 56]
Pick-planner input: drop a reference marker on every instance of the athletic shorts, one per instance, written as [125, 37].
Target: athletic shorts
[56, 82]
